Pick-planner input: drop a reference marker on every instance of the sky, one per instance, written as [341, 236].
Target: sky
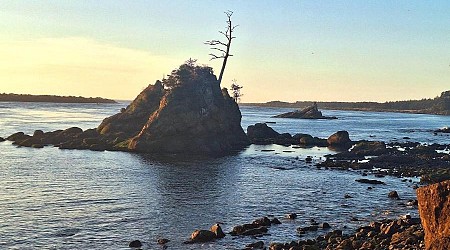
[288, 50]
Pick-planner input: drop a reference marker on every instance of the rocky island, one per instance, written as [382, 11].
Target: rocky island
[311, 112]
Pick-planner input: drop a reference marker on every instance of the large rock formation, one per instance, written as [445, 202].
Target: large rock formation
[186, 113]
[434, 209]
[311, 112]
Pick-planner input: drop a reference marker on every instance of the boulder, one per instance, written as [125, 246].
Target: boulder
[217, 230]
[339, 139]
[393, 195]
[202, 236]
[17, 136]
[260, 131]
[135, 244]
[434, 210]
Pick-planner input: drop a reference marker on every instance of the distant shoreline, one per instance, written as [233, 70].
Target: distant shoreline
[436, 106]
[52, 99]
[324, 107]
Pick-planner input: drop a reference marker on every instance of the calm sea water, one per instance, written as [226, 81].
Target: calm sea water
[71, 199]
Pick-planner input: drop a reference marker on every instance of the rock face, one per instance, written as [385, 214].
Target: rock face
[311, 112]
[434, 209]
[186, 113]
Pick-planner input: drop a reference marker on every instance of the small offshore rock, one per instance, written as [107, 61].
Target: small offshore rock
[135, 244]
[2, 139]
[256, 245]
[202, 236]
[291, 216]
[217, 230]
[369, 181]
[162, 241]
[393, 195]
[325, 225]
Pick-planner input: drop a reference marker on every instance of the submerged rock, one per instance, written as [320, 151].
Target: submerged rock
[434, 209]
[135, 244]
[369, 181]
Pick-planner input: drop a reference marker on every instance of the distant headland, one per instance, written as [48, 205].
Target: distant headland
[52, 98]
[439, 105]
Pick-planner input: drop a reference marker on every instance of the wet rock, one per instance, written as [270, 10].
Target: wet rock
[339, 139]
[393, 195]
[291, 216]
[434, 209]
[369, 148]
[264, 221]
[255, 231]
[347, 196]
[135, 244]
[261, 133]
[2, 139]
[216, 229]
[275, 221]
[202, 236]
[162, 241]
[369, 181]
[17, 137]
[38, 133]
[255, 245]
[443, 130]
[325, 225]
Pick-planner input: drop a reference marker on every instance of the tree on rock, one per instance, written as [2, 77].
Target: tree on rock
[223, 47]
[236, 89]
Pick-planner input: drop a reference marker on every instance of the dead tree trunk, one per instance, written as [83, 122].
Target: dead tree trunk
[223, 47]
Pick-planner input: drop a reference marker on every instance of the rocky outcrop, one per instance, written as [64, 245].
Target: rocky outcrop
[193, 116]
[311, 112]
[443, 130]
[434, 209]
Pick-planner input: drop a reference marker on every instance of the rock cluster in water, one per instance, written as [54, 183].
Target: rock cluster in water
[261, 133]
[311, 112]
[407, 159]
[434, 209]
[187, 113]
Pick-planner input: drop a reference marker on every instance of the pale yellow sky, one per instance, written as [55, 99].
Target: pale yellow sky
[289, 50]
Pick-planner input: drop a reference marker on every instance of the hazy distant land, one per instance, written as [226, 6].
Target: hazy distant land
[52, 98]
[438, 105]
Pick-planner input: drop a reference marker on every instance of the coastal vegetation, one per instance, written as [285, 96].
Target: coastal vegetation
[52, 98]
[439, 105]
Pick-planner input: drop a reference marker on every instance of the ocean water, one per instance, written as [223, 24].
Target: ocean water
[72, 199]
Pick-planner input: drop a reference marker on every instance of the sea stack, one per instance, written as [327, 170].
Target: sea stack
[311, 112]
[185, 113]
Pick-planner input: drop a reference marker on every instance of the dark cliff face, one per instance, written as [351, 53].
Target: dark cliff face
[192, 115]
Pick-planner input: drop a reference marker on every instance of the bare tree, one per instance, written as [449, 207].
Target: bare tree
[223, 47]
